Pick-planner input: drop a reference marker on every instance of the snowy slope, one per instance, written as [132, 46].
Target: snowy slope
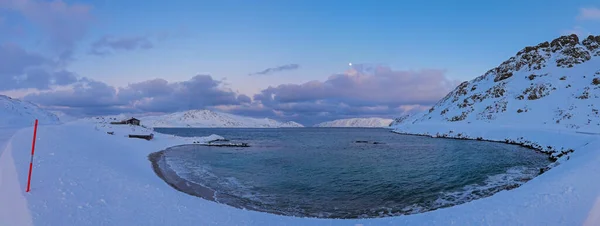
[64, 117]
[207, 118]
[554, 85]
[551, 86]
[357, 122]
[84, 176]
[15, 113]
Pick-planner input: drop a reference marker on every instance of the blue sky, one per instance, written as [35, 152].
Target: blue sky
[228, 40]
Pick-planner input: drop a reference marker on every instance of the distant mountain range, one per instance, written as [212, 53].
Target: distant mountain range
[211, 119]
[357, 122]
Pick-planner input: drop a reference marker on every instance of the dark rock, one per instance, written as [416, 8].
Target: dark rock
[543, 170]
[592, 43]
[503, 76]
[563, 41]
[227, 145]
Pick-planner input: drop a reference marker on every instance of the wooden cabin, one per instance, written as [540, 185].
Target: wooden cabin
[131, 121]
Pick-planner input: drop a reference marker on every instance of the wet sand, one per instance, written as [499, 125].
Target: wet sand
[171, 178]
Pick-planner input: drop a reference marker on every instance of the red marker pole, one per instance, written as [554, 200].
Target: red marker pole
[32, 151]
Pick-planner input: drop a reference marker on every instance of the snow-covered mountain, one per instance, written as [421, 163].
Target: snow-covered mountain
[553, 85]
[207, 118]
[14, 112]
[357, 122]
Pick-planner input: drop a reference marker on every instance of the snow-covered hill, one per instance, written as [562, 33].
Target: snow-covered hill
[357, 122]
[207, 118]
[14, 112]
[554, 84]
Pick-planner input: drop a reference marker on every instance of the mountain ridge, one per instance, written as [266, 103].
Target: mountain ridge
[212, 119]
[356, 122]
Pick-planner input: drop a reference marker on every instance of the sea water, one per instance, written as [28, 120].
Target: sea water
[348, 172]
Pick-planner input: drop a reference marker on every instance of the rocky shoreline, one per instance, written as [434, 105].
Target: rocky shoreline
[549, 151]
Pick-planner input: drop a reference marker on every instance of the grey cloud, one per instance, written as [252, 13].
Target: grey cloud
[15, 59]
[157, 95]
[109, 44]
[20, 69]
[65, 24]
[378, 91]
[381, 92]
[197, 93]
[85, 94]
[64, 77]
[382, 87]
[286, 67]
[244, 99]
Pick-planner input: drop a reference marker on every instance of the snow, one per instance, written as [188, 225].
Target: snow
[552, 97]
[17, 213]
[64, 117]
[16, 113]
[357, 122]
[85, 176]
[207, 118]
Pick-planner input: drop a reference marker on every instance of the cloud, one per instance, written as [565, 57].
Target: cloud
[89, 97]
[110, 44]
[589, 14]
[87, 93]
[362, 91]
[286, 67]
[20, 69]
[244, 99]
[65, 24]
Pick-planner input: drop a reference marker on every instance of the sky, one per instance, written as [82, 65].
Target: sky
[303, 60]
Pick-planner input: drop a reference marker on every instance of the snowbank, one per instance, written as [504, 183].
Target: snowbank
[18, 113]
[84, 176]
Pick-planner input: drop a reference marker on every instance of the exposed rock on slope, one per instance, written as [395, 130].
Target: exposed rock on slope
[357, 122]
[207, 118]
[553, 85]
[15, 112]
[545, 84]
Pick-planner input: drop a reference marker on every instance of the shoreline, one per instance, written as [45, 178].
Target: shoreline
[526, 144]
[188, 187]
[535, 147]
[163, 171]
[180, 184]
